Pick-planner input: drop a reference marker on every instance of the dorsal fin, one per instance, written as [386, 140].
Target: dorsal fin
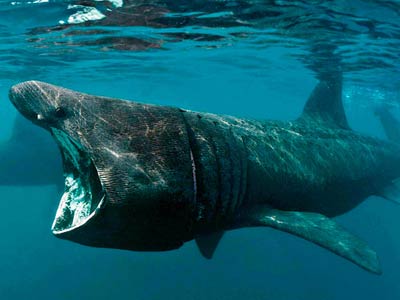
[325, 103]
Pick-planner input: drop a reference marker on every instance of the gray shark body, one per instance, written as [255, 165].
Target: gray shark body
[29, 157]
[150, 178]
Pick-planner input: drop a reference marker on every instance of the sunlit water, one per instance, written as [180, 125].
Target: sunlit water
[257, 59]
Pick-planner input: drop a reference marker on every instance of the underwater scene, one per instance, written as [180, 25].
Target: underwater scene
[257, 156]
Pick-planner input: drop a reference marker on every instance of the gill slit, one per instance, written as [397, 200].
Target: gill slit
[195, 173]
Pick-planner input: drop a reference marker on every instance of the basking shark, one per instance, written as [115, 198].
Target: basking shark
[29, 157]
[150, 178]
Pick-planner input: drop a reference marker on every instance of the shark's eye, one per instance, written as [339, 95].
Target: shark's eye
[60, 112]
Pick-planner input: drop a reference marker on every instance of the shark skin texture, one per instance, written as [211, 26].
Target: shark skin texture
[150, 178]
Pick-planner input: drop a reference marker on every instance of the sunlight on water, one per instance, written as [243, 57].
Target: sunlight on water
[359, 39]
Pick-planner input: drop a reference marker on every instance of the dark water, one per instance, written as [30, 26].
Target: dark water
[256, 59]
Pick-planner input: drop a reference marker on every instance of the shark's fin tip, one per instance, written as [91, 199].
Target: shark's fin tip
[207, 244]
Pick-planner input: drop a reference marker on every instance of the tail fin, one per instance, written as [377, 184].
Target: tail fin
[390, 124]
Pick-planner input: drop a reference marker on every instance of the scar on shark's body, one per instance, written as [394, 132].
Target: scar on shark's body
[162, 176]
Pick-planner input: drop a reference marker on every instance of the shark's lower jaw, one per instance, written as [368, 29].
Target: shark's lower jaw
[84, 193]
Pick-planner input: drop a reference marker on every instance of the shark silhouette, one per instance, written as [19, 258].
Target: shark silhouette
[150, 178]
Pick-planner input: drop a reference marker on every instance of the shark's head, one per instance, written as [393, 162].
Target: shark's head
[127, 167]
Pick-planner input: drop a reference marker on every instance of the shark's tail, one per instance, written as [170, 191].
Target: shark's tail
[390, 124]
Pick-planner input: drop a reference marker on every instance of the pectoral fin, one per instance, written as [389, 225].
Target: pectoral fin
[318, 229]
[208, 243]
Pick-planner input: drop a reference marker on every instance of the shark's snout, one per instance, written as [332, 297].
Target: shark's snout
[35, 100]
[27, 97]
[25, 91]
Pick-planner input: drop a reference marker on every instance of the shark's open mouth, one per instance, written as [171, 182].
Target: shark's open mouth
[83, 193]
